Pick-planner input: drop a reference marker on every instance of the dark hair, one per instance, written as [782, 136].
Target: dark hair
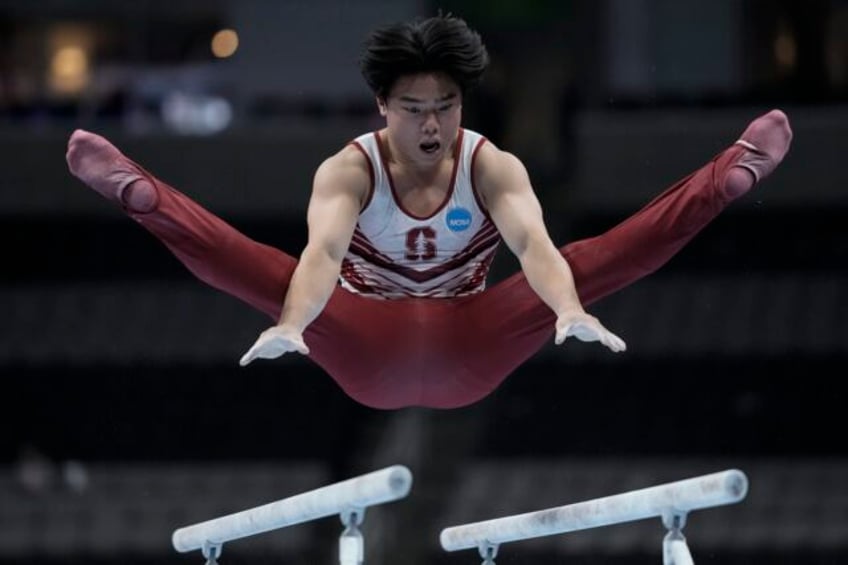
[443, 43]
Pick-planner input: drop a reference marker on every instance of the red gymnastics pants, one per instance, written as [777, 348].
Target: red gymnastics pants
[436, 352]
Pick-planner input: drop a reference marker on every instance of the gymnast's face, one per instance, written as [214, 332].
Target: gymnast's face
[422, 112]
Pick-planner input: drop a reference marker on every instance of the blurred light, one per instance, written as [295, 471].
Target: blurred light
[69, 69]
[196, 114]
[785, 50]
[36, 473]
[225, 43]
[69, 62]
[75, 476]
[69, 66]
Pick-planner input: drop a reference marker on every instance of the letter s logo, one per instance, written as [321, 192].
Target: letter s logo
[421, 244]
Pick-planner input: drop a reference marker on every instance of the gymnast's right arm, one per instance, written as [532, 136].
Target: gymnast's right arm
[339, 190]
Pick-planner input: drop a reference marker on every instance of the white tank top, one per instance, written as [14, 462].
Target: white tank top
[396, 254]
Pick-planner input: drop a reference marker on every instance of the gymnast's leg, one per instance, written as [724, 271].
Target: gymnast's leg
[210, 248]
[341, 339]
[511, 323]
[647, 240]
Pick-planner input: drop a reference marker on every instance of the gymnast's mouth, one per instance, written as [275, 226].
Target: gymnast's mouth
[430, 146]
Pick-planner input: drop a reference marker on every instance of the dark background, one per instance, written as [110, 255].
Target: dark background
[125, 414]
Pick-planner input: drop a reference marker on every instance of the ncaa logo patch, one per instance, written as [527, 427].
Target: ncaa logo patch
[458, 219]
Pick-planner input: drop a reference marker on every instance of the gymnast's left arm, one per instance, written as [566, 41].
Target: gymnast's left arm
[505, 188]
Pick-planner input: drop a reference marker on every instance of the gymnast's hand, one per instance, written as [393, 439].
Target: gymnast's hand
[586, 327]
[274, 342]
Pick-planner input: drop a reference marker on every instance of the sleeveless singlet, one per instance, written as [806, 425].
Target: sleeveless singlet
[396, 254]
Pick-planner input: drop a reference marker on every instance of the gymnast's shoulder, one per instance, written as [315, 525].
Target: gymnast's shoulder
[347, 171]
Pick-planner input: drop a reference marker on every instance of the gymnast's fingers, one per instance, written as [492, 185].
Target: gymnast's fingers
[561, 334]
[271, 345]
[249, 356]
[613, 342]
[268, 346]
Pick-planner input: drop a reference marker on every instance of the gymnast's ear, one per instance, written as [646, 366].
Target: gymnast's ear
[381, 105]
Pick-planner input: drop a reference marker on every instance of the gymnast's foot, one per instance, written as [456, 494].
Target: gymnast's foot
[100, 165]
[767, 140]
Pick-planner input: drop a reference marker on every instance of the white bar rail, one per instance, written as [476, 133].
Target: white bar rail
[385, 485]
[725, 487]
